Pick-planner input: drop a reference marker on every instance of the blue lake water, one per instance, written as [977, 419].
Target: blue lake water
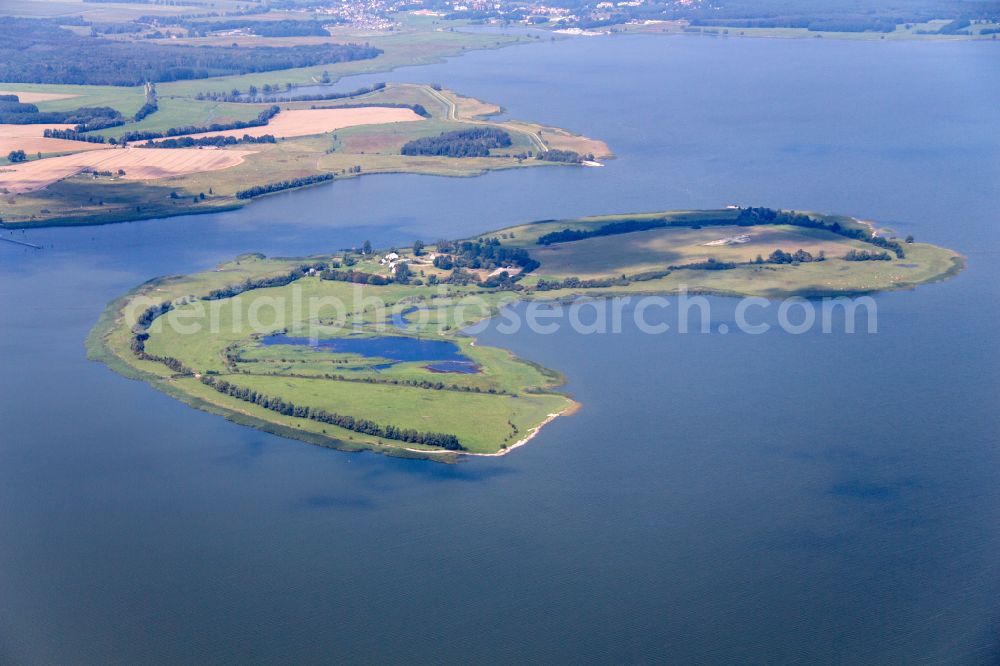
[462, 367]
[397, 348]
[718, 499]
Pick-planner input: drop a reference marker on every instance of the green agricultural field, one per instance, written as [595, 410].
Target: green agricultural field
[184, 112]
[206, 338]
[126, 100]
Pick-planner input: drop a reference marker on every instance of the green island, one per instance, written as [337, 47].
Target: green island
[364, 349]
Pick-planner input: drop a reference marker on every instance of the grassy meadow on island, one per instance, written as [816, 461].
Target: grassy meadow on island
[364, 348]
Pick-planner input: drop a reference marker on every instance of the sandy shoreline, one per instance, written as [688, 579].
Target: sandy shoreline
[572, 408]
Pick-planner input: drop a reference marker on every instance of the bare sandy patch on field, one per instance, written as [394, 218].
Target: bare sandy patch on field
[29, 139]
[303, 122]
[138, 164]
[32, 97]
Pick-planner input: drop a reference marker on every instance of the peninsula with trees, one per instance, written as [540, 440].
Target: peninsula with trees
[191, 109]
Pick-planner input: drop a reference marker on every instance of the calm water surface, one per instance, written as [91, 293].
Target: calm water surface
[718, 499]
[395, 348]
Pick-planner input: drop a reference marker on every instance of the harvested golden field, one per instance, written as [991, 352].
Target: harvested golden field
[137, 163]
[303, 122]
[29, 139]
[32, 97]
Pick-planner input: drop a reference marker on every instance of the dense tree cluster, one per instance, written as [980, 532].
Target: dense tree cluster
[140, 335]
[364, 426]
[779, 256]
[357, 277]
[866, 255]
[611, 229]
[567, 156]
[603, 283]
[259, 190]
[475, 142]
[16, 156]
[151, 105]
[212, 141]
[485, 253]
[957, 27]
[577, 283]
[73, 135]
[39, 51]
[710, 264]
[145, 110]
[151, 313]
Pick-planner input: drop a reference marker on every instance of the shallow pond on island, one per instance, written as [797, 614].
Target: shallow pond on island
[445, 356]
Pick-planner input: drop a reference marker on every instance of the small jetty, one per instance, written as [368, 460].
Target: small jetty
[19, 242]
